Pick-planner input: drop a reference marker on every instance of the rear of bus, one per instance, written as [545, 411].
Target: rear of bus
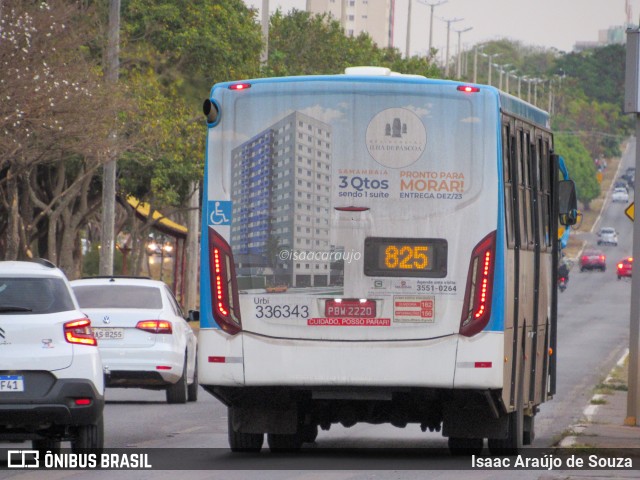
[352, 256]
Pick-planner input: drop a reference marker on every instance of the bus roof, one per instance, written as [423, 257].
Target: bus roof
[508, 103]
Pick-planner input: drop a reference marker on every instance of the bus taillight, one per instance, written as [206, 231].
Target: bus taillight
[224, 289]
[477, 298]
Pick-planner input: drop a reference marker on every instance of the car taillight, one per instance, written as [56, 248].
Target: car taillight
[477, 297]
[602, 257]
[620, 266]
[585, 259]
[79, 332]
[155, 326]
[224, 288]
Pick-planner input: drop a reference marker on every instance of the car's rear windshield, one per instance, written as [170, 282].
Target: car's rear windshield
[34, 296]
[118, 296]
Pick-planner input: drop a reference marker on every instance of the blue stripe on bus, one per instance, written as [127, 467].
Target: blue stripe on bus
[206, 312]
[496, 322]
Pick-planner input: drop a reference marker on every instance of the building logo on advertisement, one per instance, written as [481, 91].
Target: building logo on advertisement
[396, 137]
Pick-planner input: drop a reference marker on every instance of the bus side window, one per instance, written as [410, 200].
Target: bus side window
[528, 208]
[522, 204]
[544, 194]
[507, 156]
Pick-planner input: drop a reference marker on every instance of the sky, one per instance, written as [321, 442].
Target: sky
[547, 23]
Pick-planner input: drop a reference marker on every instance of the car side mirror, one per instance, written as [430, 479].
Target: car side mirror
[567, 202]
[194, 315]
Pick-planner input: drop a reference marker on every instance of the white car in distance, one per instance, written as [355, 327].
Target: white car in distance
[620, 195]
[143, 337]
[608, 236]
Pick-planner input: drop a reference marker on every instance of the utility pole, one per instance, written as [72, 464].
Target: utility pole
[109, 169]
[264, 58]
[193, 252]
[408, 50]
[490, 56]
[446, 59]
[632, 105]
[475, 65]
[460, 32]
[432, 6]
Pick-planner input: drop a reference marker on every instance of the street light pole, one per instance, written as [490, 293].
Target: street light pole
[490, 56]
[446, 59]
[408, 51]
[460, 32]
[265, 31]
[503, 70]
[432, 6]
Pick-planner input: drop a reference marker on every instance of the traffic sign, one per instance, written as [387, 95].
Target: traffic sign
[629, 211]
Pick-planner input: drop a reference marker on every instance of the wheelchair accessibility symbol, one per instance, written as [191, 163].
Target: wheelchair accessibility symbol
[219, 212]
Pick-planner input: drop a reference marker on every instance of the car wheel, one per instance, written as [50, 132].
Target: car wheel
[192, 389]
[619, 277]
[89, 436]
[177, 393]
[604, 269]
[582, 269]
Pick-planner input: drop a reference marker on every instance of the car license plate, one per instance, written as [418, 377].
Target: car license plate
[352, 308]
[108, 333]
[11, 383]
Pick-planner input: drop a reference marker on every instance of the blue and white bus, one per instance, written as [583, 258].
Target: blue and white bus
[379, 248]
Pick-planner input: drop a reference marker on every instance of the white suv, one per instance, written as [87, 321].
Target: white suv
[51, 379]
[608, 236]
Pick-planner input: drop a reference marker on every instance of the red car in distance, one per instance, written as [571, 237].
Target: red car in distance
[624, 267]
[593, 260]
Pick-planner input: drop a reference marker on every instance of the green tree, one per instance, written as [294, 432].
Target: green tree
[301, 43]
[191, 43]
[56, 114]
[581, 167]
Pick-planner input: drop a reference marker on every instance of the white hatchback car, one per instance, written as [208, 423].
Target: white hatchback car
[620, 194]
[143, 337]
[51, 380]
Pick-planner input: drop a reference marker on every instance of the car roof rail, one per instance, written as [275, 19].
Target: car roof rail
[45, 262]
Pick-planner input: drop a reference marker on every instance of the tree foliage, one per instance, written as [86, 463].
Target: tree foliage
[55, 118]
[580, 165]
[301, 43]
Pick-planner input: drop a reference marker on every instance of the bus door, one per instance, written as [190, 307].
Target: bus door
[528, 257]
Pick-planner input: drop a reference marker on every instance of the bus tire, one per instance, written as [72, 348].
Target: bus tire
[309, 433]
[244, 442]
[529, 430]
[512, 444]
[465, 446]
[284, 442]
[514, 441]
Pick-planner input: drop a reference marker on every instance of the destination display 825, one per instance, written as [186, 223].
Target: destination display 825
[405, 257]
